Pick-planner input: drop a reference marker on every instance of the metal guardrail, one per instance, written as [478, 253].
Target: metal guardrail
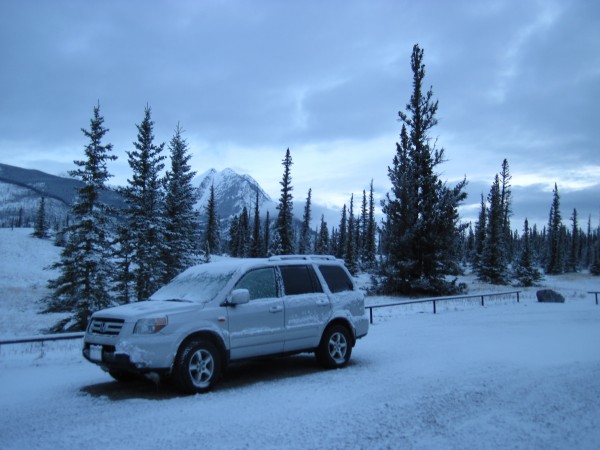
[43, 338]
[434, 300]
[596, 294]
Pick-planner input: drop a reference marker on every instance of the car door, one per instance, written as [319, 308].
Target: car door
[307, 307]
[257, 327]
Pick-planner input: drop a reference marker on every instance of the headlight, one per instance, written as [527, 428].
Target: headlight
[150, 326]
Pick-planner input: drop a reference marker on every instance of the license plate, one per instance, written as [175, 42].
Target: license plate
[96, 352]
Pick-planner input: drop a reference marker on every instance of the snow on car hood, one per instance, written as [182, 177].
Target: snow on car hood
[149, 309]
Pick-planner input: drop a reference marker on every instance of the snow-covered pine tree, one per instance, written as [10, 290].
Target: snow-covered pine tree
[267, 236]
[256, 245]
[526, 273]
[234, 238]
[595, 264]
[40, 229]
[494, 266]
[369, 238]
[421, 211]
[304, 246]
[554, 242]
[506, 202]
[245, 233]
[342, 236]
[350, 253]
[84, 285]
[322, 243]
[589, 249]
[182, 222]
[239, 235]
[123, 277]
[211, 244]
[283, 241]
[144, 197]
[363, 223]
[573, 259]
[479, 235]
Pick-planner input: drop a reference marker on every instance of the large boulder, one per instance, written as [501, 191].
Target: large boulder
[549, 296]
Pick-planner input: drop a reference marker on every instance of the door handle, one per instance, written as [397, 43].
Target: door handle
[275, 309]
[323, 302]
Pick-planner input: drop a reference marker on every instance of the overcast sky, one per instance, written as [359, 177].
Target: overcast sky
[247, 79]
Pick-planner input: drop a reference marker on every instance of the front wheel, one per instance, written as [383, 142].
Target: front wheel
[335, 347]
[197, 367]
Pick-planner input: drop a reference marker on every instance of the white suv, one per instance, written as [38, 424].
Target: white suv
[216, 313]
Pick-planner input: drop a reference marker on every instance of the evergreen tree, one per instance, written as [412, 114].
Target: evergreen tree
[342, 239]
[480, 236]
[362, 225]
[234, 236]
[83, 285]
[525, 272]
[267, 238]
[421, 211]
[304, 243]
[322, 242]
[493, 266]
[284, 231]
[40, 230]
[589, 250]
[123, 277]
[506, 205]
[211, 233]
[369, 239]
[256, 247]
[573, 260]
[181, 219]
[350, 254]
[595, 266]
[144, 198]
[555, 250]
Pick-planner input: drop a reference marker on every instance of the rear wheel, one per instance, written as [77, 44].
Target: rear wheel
[335, 348]
[198, 367]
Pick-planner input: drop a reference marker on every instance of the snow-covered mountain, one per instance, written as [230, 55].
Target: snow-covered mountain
[233, 192]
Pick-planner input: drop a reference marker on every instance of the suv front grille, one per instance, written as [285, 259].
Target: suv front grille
[110, 327]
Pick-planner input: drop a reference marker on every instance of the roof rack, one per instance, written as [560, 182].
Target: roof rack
[302, 257]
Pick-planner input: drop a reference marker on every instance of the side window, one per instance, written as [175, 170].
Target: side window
[337, 279]
[299, 280]
[260, 283]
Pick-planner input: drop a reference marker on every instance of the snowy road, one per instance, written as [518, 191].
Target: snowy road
[514, 375]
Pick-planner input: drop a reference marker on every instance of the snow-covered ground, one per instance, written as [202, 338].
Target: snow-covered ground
[507, 375]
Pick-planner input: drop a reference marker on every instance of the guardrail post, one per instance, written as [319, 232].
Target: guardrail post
[371, 316]
[482, 300]
[434, 310]
[517, 296]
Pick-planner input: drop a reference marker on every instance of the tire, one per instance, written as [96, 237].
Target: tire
[123, 376]
[197, 368]
[335, 348]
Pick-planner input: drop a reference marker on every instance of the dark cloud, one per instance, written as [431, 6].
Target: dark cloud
[515, 80]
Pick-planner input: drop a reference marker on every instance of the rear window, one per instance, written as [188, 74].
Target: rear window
[337, 279]
[299, 280]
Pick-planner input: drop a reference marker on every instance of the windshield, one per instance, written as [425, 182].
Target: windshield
[196, 285]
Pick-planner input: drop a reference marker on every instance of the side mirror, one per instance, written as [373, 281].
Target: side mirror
[238, 297]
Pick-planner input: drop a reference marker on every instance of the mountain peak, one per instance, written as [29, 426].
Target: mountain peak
[233, 192]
